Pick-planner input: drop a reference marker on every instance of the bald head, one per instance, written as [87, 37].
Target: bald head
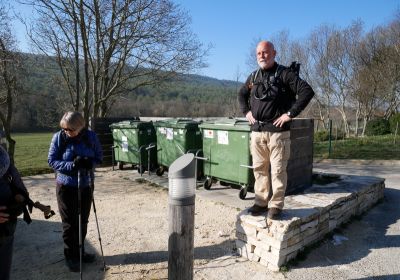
[265, 54]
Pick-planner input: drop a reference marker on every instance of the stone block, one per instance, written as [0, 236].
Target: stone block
[245, 250]
[306, 219]
[265, 240]
[249, 230]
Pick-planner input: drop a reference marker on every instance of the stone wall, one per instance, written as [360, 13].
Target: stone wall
[306, 219]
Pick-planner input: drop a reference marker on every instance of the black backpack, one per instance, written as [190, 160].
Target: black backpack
[273, 84]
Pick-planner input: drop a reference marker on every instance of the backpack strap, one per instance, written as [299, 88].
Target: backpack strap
[253, 78]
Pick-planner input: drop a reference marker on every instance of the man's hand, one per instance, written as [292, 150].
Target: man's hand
[250, 118]
[279, 122]
[3, 215]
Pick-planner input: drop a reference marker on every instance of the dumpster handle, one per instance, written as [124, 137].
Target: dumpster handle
[140, 159]
[112, 155]
[201, 158]
[197, 158]
[149, 148]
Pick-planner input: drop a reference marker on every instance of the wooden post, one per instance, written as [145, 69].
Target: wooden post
[182, 187]
[181, 242]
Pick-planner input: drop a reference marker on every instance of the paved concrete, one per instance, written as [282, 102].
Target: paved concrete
[368, 248]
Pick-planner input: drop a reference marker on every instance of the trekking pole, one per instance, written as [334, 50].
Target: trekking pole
[80, 221]
[95, 215]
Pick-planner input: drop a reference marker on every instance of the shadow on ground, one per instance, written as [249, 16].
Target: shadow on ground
[205, 253]
[364, 236]
[38, 253]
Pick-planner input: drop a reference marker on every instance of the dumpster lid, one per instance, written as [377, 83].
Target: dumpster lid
[240, 124]
[177, 123]
[131, 124]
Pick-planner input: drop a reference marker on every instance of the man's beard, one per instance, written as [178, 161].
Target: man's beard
[262, 64]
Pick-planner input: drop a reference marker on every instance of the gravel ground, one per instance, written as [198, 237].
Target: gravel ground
[134, 230]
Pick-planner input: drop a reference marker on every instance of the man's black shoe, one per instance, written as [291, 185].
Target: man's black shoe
[88, 258]
[72, 264]
[273, 213]
[256, 210]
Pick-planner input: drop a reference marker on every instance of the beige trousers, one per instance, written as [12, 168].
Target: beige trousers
[270, 151]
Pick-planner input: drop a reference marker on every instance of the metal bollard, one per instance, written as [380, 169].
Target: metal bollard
[182, 187]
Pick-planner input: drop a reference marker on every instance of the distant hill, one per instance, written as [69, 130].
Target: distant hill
[192, 95]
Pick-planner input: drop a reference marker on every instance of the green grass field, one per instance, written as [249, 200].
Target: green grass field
[31, 152]
[369, 148]
[32, 149]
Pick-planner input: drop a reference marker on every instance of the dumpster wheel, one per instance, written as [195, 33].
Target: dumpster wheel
[140, 169]
[207, 183]
[243, 192]
[160, 171]
[120, 165]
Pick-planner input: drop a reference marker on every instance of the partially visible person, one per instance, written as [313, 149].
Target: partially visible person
[10, 209]
[74, 148]
[270, 98]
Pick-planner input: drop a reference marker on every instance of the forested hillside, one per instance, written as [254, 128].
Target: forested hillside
[44, 97]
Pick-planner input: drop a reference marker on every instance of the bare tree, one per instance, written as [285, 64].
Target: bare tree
[282, 44]
[231, 100]
[391, 34]
[106, 48]
[378, 75]
[10, 64]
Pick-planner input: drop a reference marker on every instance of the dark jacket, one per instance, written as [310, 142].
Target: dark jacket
[63, 150]
[7, 172]
[283, 92]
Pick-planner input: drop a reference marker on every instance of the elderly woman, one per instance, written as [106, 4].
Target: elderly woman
[74, 148]
[10, 181]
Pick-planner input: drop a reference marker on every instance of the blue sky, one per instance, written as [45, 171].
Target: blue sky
[232, 26]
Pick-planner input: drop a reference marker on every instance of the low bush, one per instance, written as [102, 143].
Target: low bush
[394, 121]
[320, 136]
[323, 135]
[377, 127]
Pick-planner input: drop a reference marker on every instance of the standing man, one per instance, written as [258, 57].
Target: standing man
[268, 99]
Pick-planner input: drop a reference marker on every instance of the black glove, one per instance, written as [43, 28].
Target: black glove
[83, 163]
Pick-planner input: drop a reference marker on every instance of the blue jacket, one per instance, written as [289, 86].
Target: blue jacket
[64, 149]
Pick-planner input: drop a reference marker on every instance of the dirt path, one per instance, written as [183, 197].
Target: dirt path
[134, 230]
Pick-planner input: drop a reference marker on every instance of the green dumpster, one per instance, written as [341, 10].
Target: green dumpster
[134, 142]
[226, 149]
[176, 137]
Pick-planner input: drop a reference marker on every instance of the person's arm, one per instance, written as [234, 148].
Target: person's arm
[304, 94]
[243, 99]
[303, 91]
[4, 217]
[17, 181]
[55, 156]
